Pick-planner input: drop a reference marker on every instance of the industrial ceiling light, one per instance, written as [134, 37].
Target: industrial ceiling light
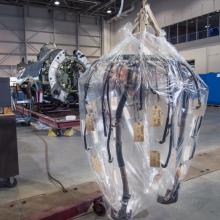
[109, 11]
[57, 3]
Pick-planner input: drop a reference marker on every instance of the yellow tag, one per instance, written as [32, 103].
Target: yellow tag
[96, 164]
[138, 132]
[154, 158]
[90, 122]
[8, 111]
[156, 116]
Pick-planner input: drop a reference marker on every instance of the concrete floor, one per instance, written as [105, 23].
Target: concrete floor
[199, 199]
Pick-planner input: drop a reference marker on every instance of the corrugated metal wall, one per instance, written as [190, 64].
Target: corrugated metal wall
[24, 30]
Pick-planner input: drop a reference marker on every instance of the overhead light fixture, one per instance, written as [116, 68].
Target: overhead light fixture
[109, 11]
[57, 3]
[207, 26]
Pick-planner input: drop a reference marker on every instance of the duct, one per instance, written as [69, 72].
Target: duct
[103, 6]
[121, 8]
[123, 14]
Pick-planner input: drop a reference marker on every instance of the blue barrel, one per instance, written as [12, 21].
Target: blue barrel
[212, 80]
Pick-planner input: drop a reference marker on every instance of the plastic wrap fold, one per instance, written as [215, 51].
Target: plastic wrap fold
[141, 110]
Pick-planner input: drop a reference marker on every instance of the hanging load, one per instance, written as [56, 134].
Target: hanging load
[141, 111]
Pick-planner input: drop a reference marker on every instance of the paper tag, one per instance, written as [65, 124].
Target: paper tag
[154, 158]
[156, 116]
[90, 122]
[138, 132]
[114, 103]
[96, 164]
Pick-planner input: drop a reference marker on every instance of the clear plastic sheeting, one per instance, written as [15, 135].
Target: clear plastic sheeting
[141, 112]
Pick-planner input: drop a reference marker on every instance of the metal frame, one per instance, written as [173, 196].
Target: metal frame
[53, 122]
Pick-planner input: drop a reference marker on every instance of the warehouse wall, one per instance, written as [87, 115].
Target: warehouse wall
[206, 52]
[173, 11]
[24, 30]
[207, 58]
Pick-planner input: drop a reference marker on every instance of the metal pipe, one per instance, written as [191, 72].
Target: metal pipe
[121, 8]
[103, 6]
[124, 14]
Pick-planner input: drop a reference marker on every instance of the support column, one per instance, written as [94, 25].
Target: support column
[25, 10]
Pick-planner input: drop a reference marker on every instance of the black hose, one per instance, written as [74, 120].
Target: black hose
[103, 107]
[120, 159]
[170, 147]
[196, 84]
[168, 127]
[119, 113]
[110, 124]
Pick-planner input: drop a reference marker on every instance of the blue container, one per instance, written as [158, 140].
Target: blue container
[212, 80]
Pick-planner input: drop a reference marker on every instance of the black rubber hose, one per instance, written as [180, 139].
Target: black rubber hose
[85, 139]
[103, 107]
[170, 148]
[50, 177]
[167, 124]
[196, 84]
[120, 159]
[119, 113]
[110, 123]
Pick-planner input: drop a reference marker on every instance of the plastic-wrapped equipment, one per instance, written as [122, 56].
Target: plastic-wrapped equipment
[141, 112]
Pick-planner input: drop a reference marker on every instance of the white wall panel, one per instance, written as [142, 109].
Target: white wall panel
[64, 27]
[90, 41]
[91, 51]
[173, 11]
[11, 10]
[39, 12]
[89, 20]
[93, 30]
[200, 57]
[8, 47]
[68, 48]
[39, 37]
[65, 39]
[11, 60]
[11, 23]
[15, 36]
[38, 24]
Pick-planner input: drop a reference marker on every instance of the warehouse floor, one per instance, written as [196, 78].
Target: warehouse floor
[68, 163]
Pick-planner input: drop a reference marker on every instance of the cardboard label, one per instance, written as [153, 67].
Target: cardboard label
[138, 132]
[90, 122]
[156, 116]
[96, 164]
[154, 158]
